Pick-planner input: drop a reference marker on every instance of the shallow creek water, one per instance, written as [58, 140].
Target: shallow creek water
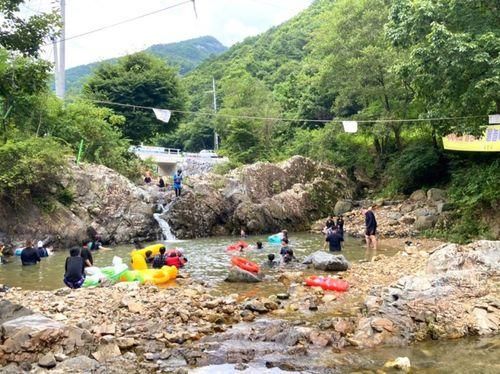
[209, 261]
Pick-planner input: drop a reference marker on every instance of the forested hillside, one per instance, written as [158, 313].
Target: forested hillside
[368, 60]
[185, 56]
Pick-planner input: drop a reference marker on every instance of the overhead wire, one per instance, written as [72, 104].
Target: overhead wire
[334, 120]
[125, 21]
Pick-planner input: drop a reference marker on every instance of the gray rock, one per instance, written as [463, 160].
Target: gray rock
[427, 211]
[418, 195]
[239, 275]
[47, 361]
[10, 311]
[394, 215]
[79, 364]
[407, 220]
[256, 306]
[425, 222]
[326, 261]
[342, 206]
[436, 194]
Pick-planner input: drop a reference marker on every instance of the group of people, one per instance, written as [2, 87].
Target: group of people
[334, 233]
[30, 254]
[173, 257]
[177, 181]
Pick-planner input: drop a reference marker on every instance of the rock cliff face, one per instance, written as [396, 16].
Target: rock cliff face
[101, 198]
[259, 198]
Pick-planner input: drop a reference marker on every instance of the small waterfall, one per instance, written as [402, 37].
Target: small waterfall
[165, 227]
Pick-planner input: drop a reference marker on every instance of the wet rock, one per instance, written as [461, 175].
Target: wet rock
[291, 276]
[256, 306]
[400, 363]
[283, 296]
[326, 261]
[342, 206]
[425, 222]
[47, 361]
[237, 274]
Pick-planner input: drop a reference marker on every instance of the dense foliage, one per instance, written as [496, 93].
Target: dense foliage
[142, 80]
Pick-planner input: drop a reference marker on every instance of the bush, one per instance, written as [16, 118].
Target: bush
[30, 168]
[417, 166]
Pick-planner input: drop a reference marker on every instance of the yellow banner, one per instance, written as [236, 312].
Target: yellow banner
[489, 142]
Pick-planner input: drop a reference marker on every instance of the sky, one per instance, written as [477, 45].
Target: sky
[230, 21]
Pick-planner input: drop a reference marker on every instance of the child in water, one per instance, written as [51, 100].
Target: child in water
[271, 262]
[74, 275]
[286, 252]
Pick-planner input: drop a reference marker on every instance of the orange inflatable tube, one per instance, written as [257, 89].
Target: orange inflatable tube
[244, 264]
[327, 283]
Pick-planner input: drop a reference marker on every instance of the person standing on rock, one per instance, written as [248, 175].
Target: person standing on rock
[371, 228]
[29, 255]
[334, 239]
[74, 269]
[178, 183]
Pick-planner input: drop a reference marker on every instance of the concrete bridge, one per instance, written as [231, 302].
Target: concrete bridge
[168, 160]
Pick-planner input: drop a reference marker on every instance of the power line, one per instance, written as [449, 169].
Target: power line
[218, 114]
[125, 21]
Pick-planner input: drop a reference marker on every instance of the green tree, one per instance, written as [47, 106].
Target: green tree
[143, 80]
[452, 49]
[25, 34]
[247, 140]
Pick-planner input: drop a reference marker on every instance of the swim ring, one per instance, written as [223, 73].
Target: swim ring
[327, 283]
[150, 276]
[138, 256]
[237, 246]
[244, 264]
[275, 239]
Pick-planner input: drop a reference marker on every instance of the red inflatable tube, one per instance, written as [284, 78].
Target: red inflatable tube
[327, 283]
[237, 246]
[244, 264]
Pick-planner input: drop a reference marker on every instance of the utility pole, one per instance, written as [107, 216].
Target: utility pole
[216, 136]
[60, 58]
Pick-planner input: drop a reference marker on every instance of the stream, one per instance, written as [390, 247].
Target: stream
[209, 261]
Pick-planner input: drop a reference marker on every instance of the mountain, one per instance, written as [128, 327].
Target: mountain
[186, 55]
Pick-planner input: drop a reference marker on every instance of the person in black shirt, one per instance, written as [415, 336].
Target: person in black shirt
[29, 255]
[330, 223]
[334, 239]
[87, 256]
[161, 183]
[340, 225]
[74, 275]
[371, 228]
[159, 259]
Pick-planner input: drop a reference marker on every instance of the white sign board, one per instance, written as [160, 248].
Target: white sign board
[494, 119]
[350, 126]
[162, 114]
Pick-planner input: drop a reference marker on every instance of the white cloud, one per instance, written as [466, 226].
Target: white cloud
[229, 21]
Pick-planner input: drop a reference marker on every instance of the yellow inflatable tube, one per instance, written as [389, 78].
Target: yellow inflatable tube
[138, 257]
[151, 276]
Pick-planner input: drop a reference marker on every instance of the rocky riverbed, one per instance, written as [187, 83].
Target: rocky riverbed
[423, 292]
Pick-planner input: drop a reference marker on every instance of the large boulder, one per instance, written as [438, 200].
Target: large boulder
[327, 261]
[237, 274]
[436, 194]
[26, 338]
[97, 197]
[342, 206]
[260, 198]
[425, 222]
